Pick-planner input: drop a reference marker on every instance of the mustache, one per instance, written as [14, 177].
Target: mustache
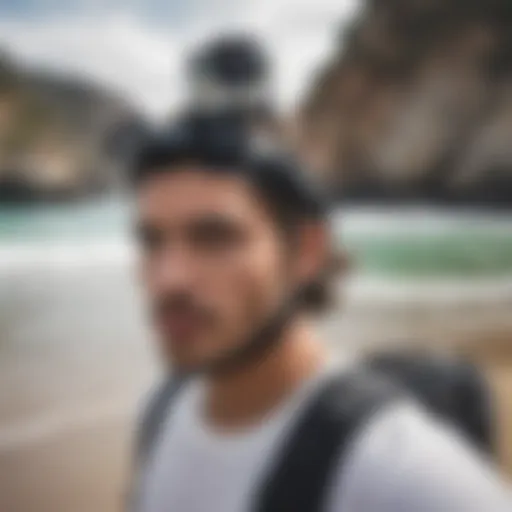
[174, 304]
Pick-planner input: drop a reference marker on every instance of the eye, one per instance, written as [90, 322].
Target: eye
[149, 238]
[216, 234]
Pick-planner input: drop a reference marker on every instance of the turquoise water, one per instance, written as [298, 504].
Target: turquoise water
[403, 242]
[461, 253]
[87, 221]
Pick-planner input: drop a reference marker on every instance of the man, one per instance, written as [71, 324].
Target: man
[237, 257]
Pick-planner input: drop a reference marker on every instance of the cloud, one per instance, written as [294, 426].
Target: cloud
[142, 57]
[117, 51]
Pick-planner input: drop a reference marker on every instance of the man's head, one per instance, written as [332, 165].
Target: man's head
[226, 239]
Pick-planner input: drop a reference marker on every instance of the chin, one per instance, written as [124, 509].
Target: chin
[185, 355]
[181, 360]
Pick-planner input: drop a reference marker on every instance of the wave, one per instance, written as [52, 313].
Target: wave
[419, 221]
[30, 256]
[441, 291]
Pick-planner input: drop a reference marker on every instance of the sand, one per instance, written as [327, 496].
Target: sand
[74, 364]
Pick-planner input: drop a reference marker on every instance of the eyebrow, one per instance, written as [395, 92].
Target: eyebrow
[212, 219]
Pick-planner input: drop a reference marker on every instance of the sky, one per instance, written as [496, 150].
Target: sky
[138, 46]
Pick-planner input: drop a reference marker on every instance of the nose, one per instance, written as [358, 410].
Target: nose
[175, 270]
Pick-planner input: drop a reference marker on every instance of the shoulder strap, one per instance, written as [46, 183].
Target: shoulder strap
[153, 418]
[320, 440]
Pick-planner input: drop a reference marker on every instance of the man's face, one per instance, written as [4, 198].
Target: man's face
[213, 261]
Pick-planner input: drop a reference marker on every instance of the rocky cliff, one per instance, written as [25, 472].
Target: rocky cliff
[417, 103]
[52, 134]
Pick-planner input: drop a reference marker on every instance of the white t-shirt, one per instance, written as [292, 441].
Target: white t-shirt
[402, 461]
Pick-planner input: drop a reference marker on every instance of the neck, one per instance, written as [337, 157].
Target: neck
[241, 398]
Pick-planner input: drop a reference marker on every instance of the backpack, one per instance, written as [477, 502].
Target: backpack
[340, 408]
[454, 390]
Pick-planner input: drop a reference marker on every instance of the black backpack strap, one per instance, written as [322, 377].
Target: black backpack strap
[152, 420]
[154, 416]
[320, 441]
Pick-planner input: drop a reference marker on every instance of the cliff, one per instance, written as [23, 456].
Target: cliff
[52, 134]
[417, 103]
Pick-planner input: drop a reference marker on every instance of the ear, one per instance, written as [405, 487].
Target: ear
[313, 250]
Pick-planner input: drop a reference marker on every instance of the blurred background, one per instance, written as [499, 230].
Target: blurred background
[402, 107]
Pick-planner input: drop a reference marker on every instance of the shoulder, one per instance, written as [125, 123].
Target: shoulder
[411, 461]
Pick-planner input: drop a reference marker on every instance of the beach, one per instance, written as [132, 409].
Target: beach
[76, 359]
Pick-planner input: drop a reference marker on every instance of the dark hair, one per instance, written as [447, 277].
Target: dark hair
[224, 144]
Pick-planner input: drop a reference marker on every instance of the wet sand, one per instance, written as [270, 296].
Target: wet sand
[74, 363]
